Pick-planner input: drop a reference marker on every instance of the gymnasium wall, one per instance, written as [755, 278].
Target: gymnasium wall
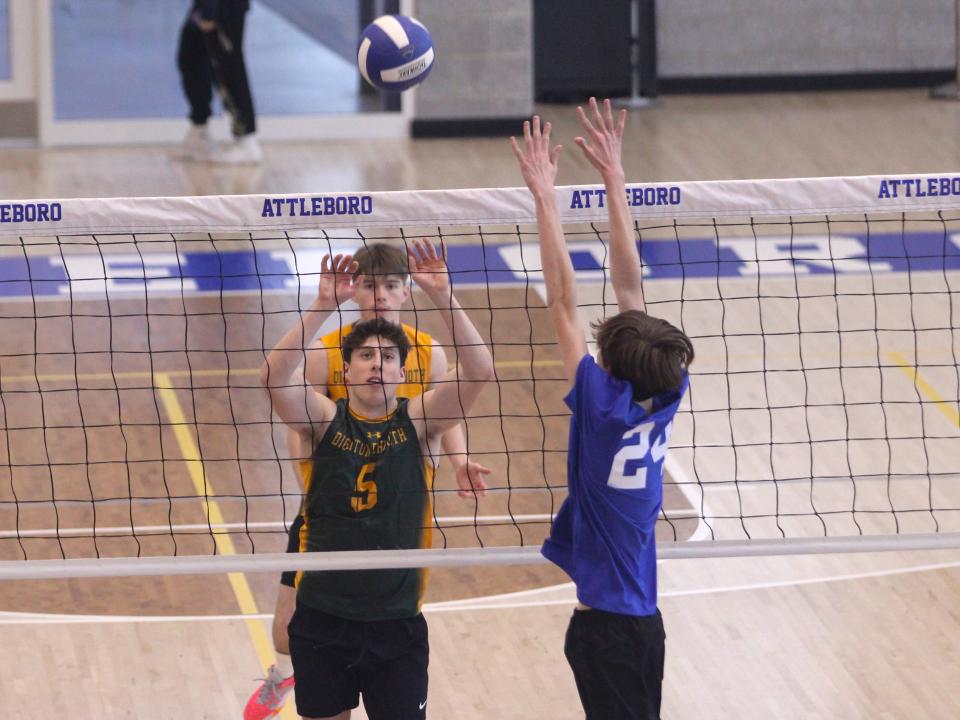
[717, 38]
[484, 67]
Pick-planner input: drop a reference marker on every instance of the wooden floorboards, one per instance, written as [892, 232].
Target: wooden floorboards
[832, 637]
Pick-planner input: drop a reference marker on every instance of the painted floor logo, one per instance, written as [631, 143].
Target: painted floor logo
[135, 271]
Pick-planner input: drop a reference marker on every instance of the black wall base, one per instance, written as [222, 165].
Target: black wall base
[467, 127]
[803, 83]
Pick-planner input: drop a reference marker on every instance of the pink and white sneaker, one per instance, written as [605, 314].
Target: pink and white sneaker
[268, 699]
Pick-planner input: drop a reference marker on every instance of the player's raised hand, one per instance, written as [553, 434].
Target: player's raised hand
[429, 268]
[602, 146]
[336, 280]
[538, 161]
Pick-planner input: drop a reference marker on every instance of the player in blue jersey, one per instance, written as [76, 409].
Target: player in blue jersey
[623, 406]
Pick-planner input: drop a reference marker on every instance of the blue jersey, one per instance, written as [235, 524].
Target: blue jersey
[603, 536]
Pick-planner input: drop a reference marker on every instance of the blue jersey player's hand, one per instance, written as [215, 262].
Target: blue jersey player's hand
[604, 146]
[538, 161]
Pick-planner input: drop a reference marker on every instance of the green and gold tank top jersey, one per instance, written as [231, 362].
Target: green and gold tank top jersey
[416, 368]
[367, 488]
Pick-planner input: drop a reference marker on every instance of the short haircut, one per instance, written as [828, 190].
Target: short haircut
[392, 333]
[649, 353]
[379, 259]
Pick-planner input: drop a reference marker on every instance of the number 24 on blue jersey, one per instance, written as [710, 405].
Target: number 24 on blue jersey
[637, 456]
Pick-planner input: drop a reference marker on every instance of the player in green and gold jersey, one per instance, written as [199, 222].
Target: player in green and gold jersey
[372, 465]
[380, 288]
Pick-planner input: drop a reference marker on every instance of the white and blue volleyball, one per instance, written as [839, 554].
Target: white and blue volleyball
[395, 53]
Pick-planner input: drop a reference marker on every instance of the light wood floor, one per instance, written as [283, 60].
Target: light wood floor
[839, 636]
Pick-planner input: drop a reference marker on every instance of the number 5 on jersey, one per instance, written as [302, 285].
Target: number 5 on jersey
[630, 464]
[365, 493]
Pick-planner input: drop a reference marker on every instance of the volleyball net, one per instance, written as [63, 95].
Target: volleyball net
[822, 413]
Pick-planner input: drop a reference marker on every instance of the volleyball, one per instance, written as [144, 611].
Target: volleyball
[395, 53]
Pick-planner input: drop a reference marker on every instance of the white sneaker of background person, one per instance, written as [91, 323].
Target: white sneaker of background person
[244, 150]
[197, 144]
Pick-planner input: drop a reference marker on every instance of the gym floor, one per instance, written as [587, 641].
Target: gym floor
[851, 636]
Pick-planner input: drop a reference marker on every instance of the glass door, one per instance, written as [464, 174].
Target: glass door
[112, 74]
[16, 66]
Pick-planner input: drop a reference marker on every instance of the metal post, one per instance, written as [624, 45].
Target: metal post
[643, 71]
[951, 90]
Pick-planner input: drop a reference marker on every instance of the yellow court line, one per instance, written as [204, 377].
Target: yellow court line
[926, 389]
[262, 642]
[132, 375]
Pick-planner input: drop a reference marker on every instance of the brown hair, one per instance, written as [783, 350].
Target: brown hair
[393, 334]
[379, 259]
[649, 353]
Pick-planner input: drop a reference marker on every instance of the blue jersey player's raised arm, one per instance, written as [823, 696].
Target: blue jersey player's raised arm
[622, 405]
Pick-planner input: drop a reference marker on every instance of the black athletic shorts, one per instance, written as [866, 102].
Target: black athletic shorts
[337, 660]
[617, 663]
[293, 545]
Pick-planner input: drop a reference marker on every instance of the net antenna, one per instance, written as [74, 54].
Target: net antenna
[823, 412]
[643, 57]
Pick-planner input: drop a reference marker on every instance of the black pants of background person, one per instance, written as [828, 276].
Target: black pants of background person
[213, 58]
[617, 663]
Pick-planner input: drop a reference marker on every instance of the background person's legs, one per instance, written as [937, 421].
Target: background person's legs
[226, 52]
[195, 72]
[226, 47]
[196, 77]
